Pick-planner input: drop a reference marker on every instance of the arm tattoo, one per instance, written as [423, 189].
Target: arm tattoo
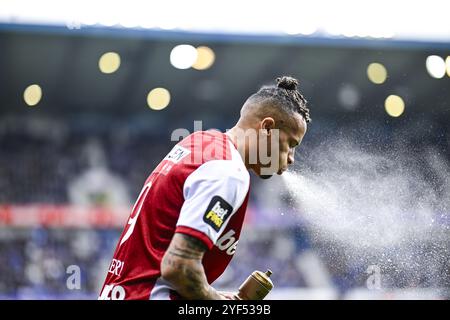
[185, 256]
[194, 243]
[191, 248]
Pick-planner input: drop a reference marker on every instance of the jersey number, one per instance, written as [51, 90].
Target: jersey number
[112, 292]
[135, 212]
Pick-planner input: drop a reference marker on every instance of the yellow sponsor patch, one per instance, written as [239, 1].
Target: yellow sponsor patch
[217, 212]
[214, 218]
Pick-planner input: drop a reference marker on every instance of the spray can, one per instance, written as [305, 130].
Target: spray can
[256, 287]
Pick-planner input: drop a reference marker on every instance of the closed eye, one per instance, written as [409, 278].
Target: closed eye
[294, 144]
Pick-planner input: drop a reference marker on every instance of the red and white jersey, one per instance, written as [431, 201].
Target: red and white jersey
[200, 189]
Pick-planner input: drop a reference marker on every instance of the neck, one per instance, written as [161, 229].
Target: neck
[241, 144]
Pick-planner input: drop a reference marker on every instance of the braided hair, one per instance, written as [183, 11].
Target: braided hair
[285, 95]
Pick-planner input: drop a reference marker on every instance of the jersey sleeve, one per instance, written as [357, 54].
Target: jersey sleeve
[212, 193]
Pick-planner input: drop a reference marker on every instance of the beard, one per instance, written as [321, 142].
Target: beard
[268, 174]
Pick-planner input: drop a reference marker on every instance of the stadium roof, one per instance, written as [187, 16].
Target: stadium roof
[65, 64]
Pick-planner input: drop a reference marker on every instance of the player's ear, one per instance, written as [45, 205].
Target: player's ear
[267, 124]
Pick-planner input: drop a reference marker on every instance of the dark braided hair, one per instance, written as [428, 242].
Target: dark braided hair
[285, 95]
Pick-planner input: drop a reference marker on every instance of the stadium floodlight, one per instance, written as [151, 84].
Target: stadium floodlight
[394, 105]
[183, 56]
[435, 66]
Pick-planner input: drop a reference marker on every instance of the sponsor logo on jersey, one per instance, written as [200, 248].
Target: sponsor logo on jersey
[227, 242]
[217, 212]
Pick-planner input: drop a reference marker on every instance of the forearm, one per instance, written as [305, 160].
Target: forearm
[182, 267]
[190, 281]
